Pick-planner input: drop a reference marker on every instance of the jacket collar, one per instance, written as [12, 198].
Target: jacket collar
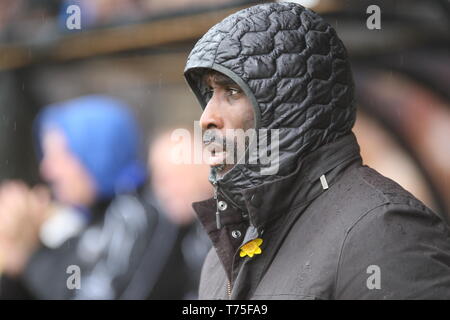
[271, 200]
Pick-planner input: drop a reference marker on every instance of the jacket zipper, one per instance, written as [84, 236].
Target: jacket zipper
[229, 285]
[229, 289]
[215, 183]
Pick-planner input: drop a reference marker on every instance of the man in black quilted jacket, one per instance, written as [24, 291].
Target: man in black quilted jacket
[322, 225]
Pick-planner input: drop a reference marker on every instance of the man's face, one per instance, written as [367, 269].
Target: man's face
[227, 108]
[69, 180]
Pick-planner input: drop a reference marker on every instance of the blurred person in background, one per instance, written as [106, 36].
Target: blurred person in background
[176, 185]
[97, 217]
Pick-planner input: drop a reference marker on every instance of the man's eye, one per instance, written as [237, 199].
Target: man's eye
[233, 91]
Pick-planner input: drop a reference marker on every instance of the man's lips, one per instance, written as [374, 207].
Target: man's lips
[217, 158]
[216, 155]
[215, 146]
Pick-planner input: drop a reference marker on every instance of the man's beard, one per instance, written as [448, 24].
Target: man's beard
[213, 141]
[225, 151]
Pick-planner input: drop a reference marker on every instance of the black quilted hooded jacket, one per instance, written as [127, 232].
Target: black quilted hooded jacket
[332, 228]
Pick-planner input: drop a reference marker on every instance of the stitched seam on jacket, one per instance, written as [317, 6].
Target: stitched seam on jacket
[344, 242]
[375, 188]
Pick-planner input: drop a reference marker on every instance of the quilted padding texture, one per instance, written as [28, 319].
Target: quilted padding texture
[296, 70]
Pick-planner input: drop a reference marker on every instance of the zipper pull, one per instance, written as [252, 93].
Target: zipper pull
[218, 223]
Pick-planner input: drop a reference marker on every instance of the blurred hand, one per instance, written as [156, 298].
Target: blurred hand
[22, 212]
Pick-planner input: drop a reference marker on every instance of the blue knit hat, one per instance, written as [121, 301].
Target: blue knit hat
[104, 136]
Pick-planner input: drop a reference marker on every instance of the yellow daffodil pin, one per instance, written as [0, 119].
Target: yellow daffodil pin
[251, 248]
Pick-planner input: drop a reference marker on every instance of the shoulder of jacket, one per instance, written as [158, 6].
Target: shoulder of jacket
[358, 196]
[371, 191]
[393, 202]
[390, 190]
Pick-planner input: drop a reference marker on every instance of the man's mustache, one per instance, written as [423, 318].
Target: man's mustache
[211, 137]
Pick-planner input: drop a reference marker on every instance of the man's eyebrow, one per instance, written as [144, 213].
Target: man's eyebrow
[219, 80]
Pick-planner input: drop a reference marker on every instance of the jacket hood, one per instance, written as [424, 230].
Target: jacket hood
[295, 70]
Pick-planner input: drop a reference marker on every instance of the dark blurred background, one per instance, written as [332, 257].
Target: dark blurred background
[136, 50]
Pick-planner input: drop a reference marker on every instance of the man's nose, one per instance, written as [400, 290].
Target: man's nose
[211, 116]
